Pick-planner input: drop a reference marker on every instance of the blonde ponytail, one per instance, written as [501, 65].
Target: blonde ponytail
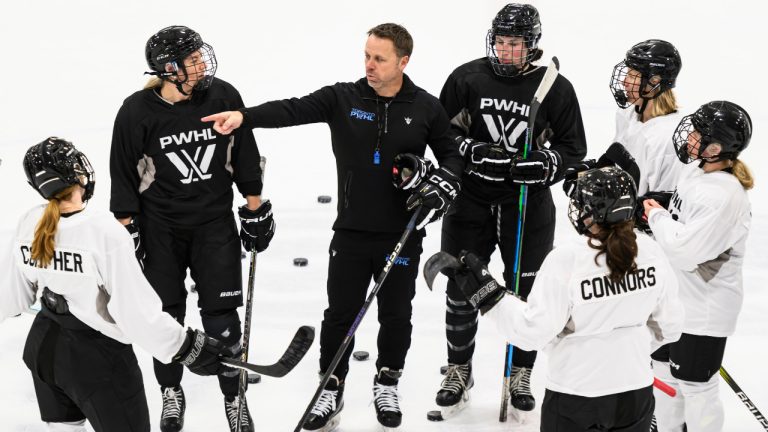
[743, 174]
[45, 231]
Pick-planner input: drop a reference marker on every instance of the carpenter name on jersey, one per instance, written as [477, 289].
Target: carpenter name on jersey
[62, 260]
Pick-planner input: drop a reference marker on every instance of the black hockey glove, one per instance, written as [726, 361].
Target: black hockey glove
[488, 161]
[540, 167]
[618, 155]
[476, 283]
[641, 222]
[256, 226]
[434, 194]
[138, 247]
[408, 170]
[571, 174]
[201, 353]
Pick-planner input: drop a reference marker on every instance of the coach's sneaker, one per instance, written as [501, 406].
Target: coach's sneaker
[386, 398]
[231, 405]
[324, 416]
[174, 404]
[520, 389]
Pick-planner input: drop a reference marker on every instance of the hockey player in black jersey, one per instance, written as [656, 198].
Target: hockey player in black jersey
[172, 182]
[372, 121]
[487, 101]
[95, 303]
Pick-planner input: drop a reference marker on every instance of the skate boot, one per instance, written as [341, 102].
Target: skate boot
[520, 389]
[231, 404]
[174, 404]
[454, 390]
[386, 399]
[324, 416]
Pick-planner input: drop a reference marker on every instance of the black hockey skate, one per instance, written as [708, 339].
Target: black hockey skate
[520, 389]
[174, 404]
[324, 416]
[386, 398]
[454, 390]
[231, 403]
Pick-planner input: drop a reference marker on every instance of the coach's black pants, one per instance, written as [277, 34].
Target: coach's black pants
[355, 258]
[478, 228]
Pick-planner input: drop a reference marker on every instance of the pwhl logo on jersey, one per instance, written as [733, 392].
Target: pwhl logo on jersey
[501, 130]
[192, 167]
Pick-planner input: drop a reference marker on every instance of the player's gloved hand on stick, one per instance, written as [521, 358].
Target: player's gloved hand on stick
[540, 167]
[488, 161]
[202, 353]
[408, 170]
[476, 283]
[618, 155]
[138, 247]
[641, 220]
[256, 226]
[434, 194]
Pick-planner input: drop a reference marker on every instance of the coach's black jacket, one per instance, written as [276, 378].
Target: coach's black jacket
[360, 122]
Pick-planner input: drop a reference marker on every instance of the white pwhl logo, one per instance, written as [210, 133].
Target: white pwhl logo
[193, 168]
[408, 120]
[504, 132]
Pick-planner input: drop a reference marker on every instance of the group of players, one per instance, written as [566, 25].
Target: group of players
[601, 305]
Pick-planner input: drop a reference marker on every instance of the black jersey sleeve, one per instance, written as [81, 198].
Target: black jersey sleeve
[316, 107]
[454, 100]
[124, 156]
[245, 157]
[441, 141]
[565, 123]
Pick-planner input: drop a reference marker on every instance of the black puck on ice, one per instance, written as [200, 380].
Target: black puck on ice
[435, 416]
[360, 355]
[300, 262]
[254, 378]
[443, 369]
[324, 199]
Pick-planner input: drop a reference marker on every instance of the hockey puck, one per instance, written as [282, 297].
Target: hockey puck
[254, 378]
[324, 199]
[300, 262]
[360, 355]
[443, 369]
[435, 416]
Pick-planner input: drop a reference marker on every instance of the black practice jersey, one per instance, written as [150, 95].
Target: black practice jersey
[495, 109]
[167, 164]
[367, 132]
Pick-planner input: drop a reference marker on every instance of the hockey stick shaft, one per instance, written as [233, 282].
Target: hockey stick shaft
[666, 388]
[538, 97]
[352, 329]
[744, 398]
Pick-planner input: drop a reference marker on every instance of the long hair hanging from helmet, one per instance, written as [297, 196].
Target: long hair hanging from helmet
[541, 92]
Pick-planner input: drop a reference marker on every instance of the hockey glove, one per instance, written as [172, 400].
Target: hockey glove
[618, 155]
[476, 283]
[435, 194]
[138, 247]
[488, 161]
[641, 221]
[408, 170]
[571, 174]
[201, 353]
[540, 167]
[256, 226]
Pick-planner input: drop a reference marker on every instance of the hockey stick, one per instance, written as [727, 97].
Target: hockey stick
[541, 92]
[351, 333]
[296, 350]
[744, 398]
[666, 388]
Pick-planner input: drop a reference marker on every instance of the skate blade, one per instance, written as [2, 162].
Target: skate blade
[444, 413]
[389, 429]
[518, 416]
[332, 424]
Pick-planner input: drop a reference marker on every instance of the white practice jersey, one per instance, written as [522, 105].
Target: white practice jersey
[704, 234]
[94, 267]
[599, 334]
[650, 143]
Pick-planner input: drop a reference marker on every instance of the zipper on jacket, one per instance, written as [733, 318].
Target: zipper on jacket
[377, 149]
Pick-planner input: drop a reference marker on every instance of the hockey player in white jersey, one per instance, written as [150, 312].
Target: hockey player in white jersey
[95, 302]
[599, 306]
[642, 87]
[704, 235]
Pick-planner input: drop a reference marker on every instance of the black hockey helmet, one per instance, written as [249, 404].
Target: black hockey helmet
[719, 122]
[170, 46]
[55, 164]
[514, 19]
[603, 196]
[651, 58]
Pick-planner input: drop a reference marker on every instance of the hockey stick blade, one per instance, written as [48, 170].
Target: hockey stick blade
[436, 264]
[292, 356]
